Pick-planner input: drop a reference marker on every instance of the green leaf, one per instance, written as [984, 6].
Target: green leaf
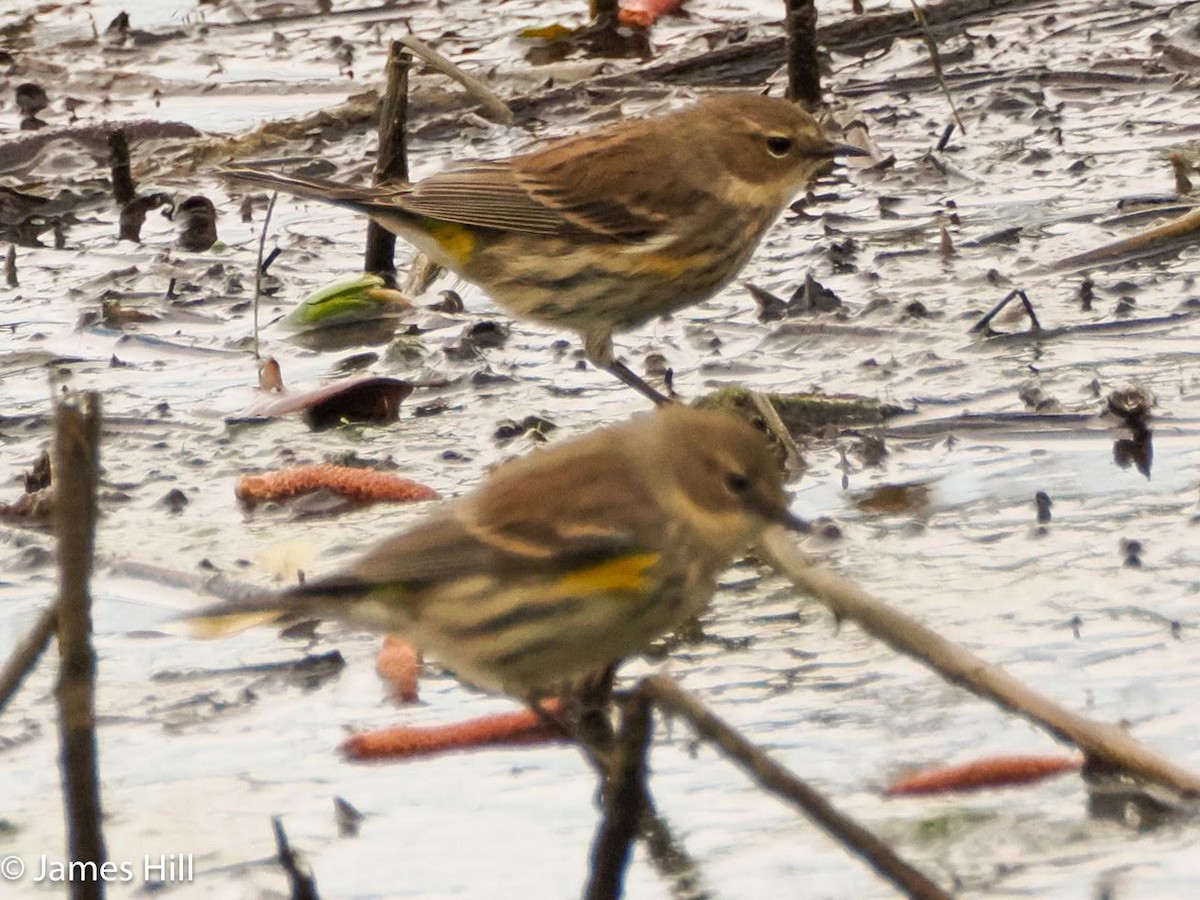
[358, 299]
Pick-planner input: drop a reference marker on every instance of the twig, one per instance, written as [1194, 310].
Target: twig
[604, 12]
[986, 320]
[1172, 235]
[118, 157]
[26, 655]
[392, 161]
[10, 267]
[1037, 332]
[624, 801]
[935, 59]
[303, 885]
[215, 584]
[1118, 328]
[391, 164]
[495, 107]
[1105, 743]
[261, 267]
[672, 860]
[944, 140]
[1021, 424]
[779, 781]
[348, 818]
[76, 462]
[310, 669]
[803, 64]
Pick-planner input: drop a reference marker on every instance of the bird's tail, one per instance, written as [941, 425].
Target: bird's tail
[225, 619]
[347, 195]
[319, 599]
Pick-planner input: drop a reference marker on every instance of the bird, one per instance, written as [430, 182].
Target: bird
[562, 562]
[602, 231]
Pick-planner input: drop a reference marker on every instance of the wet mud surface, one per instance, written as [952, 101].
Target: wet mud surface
[1071, 110]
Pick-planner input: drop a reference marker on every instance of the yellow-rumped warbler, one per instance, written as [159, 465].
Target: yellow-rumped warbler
[605, 230]
[564, 561]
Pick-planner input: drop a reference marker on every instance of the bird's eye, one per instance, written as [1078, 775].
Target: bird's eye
[737, 482]
[779, 146]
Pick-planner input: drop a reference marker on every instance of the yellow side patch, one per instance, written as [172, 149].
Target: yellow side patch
[664, 265]
[625, 573]
[456, 240]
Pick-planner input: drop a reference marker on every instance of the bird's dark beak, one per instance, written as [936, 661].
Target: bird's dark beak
[849, 150]
[773, 510]
[792, 522]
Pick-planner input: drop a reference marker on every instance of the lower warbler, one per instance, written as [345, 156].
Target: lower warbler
[603, 231]
[564, 561]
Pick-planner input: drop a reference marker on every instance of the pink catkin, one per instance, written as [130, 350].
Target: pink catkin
[644, 13]
[399, 664]
[997, 771]
[359, 485]
[402, 742]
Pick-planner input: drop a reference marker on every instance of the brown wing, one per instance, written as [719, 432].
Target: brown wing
[582, 504]
[621, 183]
[603, 184]
[484, 195]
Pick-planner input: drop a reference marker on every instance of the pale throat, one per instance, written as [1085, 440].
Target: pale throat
[723, 533]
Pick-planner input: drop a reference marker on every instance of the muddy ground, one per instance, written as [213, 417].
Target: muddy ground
[1070, 112]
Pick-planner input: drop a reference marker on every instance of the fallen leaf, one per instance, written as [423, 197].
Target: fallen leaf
[358, 299]
[374, 399]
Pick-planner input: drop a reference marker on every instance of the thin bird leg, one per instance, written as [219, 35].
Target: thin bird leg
[581, 714]
[551, 718]
[599, 351]
[628, 376]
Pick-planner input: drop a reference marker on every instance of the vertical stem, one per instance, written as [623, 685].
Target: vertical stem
[76, 464]
[603, 12]
[261, 268]
[392, 163]
[804, 71]
[624, 801]
[118, 158]
[303, 885]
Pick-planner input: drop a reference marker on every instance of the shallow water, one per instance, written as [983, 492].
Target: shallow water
[198, 766]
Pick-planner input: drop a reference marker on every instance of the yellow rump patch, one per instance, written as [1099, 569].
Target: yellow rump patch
[456, 240]
[622, 574]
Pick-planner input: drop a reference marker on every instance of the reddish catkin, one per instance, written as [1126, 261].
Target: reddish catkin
[359, 485]
[523, 727]
[644, 13]
[399, 664]
[997, 771]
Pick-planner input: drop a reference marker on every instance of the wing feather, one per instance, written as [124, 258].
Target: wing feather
[620, 183]
[589, 506]
[575, 185]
